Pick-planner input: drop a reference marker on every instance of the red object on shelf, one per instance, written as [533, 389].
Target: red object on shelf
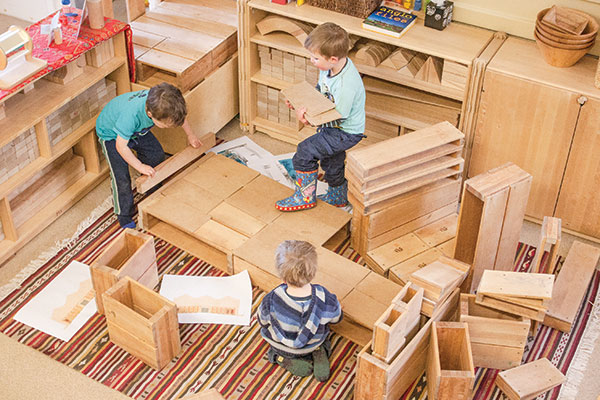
[280, 1]
[71, 48]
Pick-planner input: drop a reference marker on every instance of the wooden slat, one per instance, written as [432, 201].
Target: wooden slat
[175, 163]
[518, 284]
[571, 285]
[529, 380]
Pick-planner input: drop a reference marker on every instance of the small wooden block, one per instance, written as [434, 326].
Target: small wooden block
[529, 380]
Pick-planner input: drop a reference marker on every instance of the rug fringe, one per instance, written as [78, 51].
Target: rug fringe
[570, 389]
[46, 255]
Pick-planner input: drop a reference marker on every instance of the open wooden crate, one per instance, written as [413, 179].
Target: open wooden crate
[130, 254]
[142, 322]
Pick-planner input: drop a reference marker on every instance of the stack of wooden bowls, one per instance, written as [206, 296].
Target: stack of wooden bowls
[564, 35]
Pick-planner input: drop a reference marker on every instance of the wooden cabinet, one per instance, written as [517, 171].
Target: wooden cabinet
[452, 52]
[545, 120]
[50, 154]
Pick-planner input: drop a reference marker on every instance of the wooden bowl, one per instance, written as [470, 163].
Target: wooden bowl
[590, 31]
[557, 39]
[575, 46]
[561, 58]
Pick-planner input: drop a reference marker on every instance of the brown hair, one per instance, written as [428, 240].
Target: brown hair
[166, 103]
[329, 40]
[296, 262]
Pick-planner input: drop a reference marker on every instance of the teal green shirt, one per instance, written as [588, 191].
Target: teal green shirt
[346, 90]
[123, 116]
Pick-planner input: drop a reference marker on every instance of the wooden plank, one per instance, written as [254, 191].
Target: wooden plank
[173, 164]
[220, 236]
[186, 192]
[439, 231]
[510, 307]
[379, 288]
[517, 284]
[385, 157]
[529, 380]
[260, 207]
[400, 273]
[387, 256]
[177, 213]
[571, 285]
[364, 310]
[494, 356]
[221, 176]
[236, 219]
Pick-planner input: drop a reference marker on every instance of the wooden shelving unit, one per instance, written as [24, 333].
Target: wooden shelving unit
[32, 110]
[460, 44]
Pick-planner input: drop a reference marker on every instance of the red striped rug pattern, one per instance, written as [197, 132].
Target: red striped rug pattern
[230, 358]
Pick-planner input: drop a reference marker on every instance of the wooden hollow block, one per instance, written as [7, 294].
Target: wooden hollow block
[387, 256]
[516, 284]
[440, 277]
[142, 322]
[132, 255]
[510, 307]
[497, 338]
[530, 380]
[439, 231]
[400, 273]
[450, 369]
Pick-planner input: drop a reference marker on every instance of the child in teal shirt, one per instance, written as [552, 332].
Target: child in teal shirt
[124, 125]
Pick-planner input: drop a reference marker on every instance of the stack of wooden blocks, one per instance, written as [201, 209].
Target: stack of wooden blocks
[286, 66]
[439, 279]
[518, 293]
[498, 338]
[44, 186]
[18, 154]
[271, 106]
[82, 108]
[402, 184]
[407, 107]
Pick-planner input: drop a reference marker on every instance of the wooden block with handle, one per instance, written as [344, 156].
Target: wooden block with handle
[529, 380]
[175, 163]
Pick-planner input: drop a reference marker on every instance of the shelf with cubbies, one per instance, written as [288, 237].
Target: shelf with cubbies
[412, 82]
[49, 154]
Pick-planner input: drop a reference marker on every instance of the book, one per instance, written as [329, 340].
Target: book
[390, 20]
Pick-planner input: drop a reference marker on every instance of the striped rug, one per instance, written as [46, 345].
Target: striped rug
[229, 358]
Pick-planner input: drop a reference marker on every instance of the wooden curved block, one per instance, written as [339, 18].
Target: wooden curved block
[373, 53]
[274, 23]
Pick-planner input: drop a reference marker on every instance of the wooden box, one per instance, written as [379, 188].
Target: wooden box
[450, 370]
[142, 322]
[497, 338]
[439, 278]
[130, 254]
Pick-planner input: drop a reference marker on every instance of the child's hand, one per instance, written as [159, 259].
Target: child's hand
[147, 170]
[194, 141]
[287, 103]
[300, 115]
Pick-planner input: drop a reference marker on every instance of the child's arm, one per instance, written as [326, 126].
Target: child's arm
[192, 138]
[131, 159]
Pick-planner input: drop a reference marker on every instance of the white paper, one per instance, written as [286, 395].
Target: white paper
[44, 310]
[244, 148]
[210, 299]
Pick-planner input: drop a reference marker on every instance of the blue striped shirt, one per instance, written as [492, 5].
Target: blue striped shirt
[298, 326]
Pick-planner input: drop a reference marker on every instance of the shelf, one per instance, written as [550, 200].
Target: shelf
[26, 110]
[281, 41]
[270, 81]
[283, 132]
[389, 74]
[458, 42]
[51, 211]
[286, 42]
[23, 175]
[395, 119]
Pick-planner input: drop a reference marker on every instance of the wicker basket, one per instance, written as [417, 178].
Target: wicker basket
[355, 8]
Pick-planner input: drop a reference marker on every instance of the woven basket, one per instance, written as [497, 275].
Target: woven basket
[355, 8]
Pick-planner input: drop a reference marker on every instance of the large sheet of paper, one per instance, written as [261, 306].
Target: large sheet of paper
[210, 299]
[63, 306]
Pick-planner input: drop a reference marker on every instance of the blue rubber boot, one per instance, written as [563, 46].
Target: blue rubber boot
[336, 196]
[305, 195]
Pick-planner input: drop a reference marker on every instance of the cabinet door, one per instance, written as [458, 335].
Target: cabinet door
[579, 198]
[529, 124]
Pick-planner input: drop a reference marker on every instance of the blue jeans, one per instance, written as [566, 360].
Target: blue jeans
[329, 146]
[149, 151]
